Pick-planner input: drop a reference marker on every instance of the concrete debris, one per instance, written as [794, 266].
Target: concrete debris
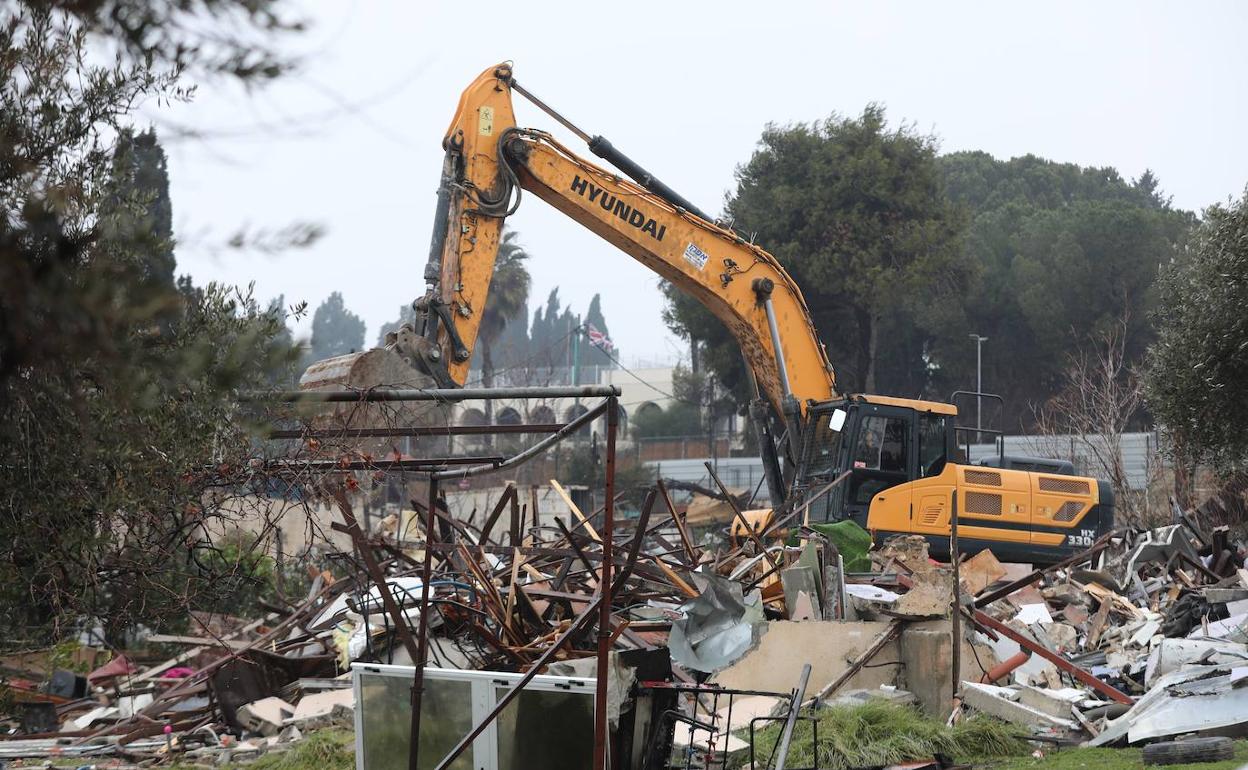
[1208, 700]
[1137, 639]
[322, 708]
[1005, 703]
[1143, 636]
[884, 692]
[1173, 654]
[980, 571]
[266, 715]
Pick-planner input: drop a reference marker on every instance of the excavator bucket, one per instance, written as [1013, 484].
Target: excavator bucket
[377, 369]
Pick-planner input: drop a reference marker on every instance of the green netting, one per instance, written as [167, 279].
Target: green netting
[851, 540]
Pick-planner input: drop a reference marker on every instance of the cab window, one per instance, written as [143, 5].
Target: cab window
[882, 444]
[932, 450]
[825, 446]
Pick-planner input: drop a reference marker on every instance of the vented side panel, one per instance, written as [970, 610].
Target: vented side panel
[1069, 511]
[1065, 486]
[987, 478]
[983, 503]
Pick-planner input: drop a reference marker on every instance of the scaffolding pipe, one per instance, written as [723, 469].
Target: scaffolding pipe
[601, 736]
[531, 452]
[433, 394]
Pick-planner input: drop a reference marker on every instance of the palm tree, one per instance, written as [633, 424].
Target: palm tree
[508, 300]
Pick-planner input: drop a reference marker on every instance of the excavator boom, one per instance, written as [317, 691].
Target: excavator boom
[876, 460]
[489, 161]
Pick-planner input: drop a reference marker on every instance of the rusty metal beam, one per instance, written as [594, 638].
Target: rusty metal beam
[416, 432]
[1082, 675]
[422, 634]
[1026, 580]
[424, 464]
[448, 395]
[601, 733]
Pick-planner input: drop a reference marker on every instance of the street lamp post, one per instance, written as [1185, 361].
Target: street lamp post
[979, 384]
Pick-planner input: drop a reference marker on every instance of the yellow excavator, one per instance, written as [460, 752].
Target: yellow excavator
[891, 464]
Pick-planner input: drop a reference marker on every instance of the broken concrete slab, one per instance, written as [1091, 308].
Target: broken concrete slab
[1145, 633]
[926, 657]
[980, 571]
[930, 597]
[775, 663]
[320, 705]
[265, 716]
[1003, 703]
[1056, 703]
[1062, 636]
[884, 692]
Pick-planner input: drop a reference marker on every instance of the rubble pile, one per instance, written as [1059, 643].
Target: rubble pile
[238, 689]
[504, 594]
[1140, 638]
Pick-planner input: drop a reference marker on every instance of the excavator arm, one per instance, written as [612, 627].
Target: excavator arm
[490, 161]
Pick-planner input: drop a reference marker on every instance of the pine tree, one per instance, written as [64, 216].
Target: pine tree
[136, 207]
[406, 316]
[591, 355]
[335, 330]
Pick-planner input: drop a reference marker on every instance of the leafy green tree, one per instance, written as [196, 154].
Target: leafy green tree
[856, 211]
[679, 419]
[118, 385]
[1062, 254]
[550, 333]
[285, 377]
[137, 201]
[1197, 367]
[336, 331]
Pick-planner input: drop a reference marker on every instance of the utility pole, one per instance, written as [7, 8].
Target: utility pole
[979, 384]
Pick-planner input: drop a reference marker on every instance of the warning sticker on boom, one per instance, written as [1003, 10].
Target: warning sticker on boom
[696, 257]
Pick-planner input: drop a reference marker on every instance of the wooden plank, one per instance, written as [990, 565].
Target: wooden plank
[567, 499]
[691, 551]
[199, 640]
[514, 584]
[1097, 626]
[680, 584]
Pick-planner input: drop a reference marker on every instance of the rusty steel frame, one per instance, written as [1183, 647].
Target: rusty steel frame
[1081, 674]
[435, 470]
[444, 395]
[414, 432]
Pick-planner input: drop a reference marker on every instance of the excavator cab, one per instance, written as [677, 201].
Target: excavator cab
[874, 443]
[894, 466]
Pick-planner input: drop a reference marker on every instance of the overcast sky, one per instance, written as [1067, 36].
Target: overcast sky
[353, 139]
